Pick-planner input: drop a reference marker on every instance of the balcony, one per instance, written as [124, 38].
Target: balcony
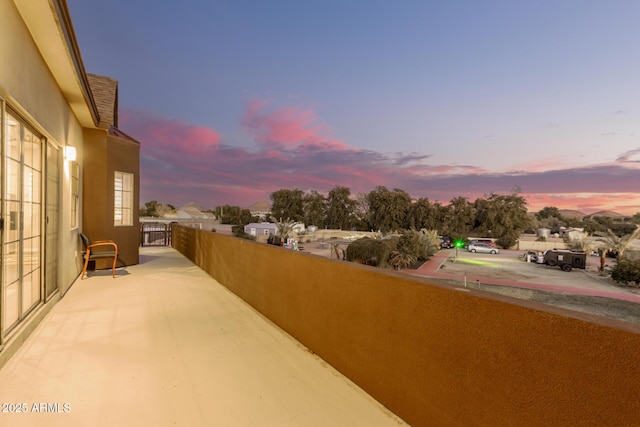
[165, 344]
[302, 340]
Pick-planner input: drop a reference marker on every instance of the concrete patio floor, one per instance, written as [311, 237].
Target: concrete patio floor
[165, 344]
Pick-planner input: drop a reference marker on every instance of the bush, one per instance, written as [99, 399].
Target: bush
[369, 251]
[506, 241]
[626, 271]
[238, 231]
[418, 245]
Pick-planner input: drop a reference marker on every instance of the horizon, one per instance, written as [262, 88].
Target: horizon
[530, 211]
[233, 101]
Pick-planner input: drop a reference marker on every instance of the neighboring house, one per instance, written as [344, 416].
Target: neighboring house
[573, 233]
[261, 228]
[67, 168]
[193, 211]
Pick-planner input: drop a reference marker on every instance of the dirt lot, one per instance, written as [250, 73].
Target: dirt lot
[568, 290]
[578, 290]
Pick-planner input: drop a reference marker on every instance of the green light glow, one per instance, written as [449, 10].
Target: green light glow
[479, 262]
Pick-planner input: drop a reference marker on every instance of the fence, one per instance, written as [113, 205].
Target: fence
[155, 234]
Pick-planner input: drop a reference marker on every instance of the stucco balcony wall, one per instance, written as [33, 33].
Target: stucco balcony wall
[434, 354]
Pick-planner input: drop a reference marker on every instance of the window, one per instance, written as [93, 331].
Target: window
[75, 193]
[123, 206]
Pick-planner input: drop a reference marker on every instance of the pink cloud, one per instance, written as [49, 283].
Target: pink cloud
[170, 135]
[181, 163]
[286, 127]
[624, 203]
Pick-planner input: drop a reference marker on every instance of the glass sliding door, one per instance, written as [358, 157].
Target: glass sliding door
[22, 213]
[51, 220]
[11, 234]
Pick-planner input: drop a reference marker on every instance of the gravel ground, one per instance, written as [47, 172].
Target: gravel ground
[509, 266]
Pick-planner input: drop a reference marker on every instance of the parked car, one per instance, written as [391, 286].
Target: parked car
[445, 242]
[487, 242]
[481, 247]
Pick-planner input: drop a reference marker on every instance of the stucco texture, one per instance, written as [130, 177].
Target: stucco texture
[103, 155]
[432, 354]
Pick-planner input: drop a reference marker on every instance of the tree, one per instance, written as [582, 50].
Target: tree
[580, 242]
[155, 209]
[361, 212]
[549, 212]
[422, 214]
[340, 209]
[235, 215]
[163, 210]
[503, 216]
[618, 245]
[388, 209]
[314, 208]
[285, 227]
[150, 208]
[442, 213]
[288, 204]
[461, 218]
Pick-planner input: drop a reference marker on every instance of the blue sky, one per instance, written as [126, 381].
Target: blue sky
[232, 100]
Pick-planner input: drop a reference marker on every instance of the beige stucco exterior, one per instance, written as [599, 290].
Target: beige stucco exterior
[43, 83]
[103, 156]
[27, 85]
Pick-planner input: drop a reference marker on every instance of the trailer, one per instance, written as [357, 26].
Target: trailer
[566, 259]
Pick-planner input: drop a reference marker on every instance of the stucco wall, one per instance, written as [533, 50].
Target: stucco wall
[103, 156]
[26, 80]
[528, 245]
[432, 354]
[29, 88]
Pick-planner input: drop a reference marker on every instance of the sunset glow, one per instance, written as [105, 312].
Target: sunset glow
[234, 100]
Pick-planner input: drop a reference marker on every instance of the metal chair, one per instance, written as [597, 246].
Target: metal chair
[105, 249]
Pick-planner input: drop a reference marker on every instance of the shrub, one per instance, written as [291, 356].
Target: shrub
[238, 231]
[401, 260]
[626, 271]
[418, 245]
[506, 241]
[369, 251]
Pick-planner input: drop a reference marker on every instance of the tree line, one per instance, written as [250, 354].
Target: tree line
[503, 217]
[500, 216]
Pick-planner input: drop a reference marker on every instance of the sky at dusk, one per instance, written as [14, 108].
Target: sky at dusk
[232, 100]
